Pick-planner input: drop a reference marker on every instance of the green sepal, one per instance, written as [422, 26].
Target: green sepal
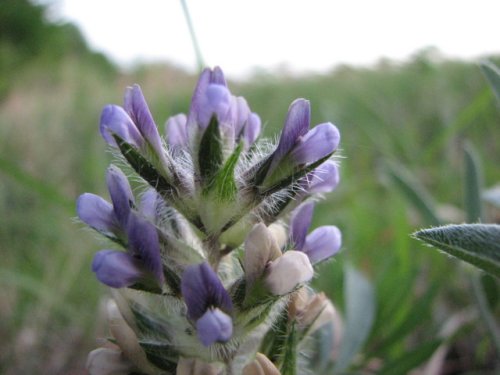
[280, 344]
[298, 173]
[224, 183]
[144, 168]
[289, 359]
[160, 355]
[210, 155]
[274, 341]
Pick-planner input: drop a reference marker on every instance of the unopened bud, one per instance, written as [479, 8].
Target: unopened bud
[261, 365]
[288, 271]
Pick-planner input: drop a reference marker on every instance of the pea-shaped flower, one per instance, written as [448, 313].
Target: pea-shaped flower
[208, 303]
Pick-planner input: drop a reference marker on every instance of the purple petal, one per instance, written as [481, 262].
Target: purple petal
[299, 224]
[138, 110]
[145, 244]
[323, 179]
[319, 142]
[177, 131]
[322, 243]
[210, 96]
[121, 194]
[217, 76]
[240, 113]
[214, 326]
[201, 289]
[97, 213]
[252, 129]
[116, 269]
[296, 125]
[114, 120]
[149, 205]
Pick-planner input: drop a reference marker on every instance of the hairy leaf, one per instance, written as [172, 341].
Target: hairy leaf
[477, 244]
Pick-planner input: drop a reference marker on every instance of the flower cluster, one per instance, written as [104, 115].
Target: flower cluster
[207, 279]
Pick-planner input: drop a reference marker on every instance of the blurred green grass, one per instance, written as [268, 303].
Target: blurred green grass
[416, 113]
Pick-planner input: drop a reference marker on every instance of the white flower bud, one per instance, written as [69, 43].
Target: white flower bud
[192, 366]
[261, 365]
[288, 271]
[279, 233]
[106, 361]
[260, 249]
[127, 339]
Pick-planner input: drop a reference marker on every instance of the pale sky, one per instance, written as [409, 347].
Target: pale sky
[312, 35]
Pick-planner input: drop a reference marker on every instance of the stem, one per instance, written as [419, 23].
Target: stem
[194, 40]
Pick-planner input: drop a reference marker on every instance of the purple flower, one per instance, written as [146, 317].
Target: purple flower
[320, 244]
[116, 269]
[97, 213]
[137, 108]
[177, 131]
[100, 214]
[120, 193]
[114, 120]
[214, 326]
[241, 123]
[323, 179]
[317, 143]
[296, 125]
[133, 123]
[300, 146]
[208, 303]
[211, 97]
[144, 244]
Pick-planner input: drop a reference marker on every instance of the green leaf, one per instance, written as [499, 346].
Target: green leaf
[360, 313]
[210, 156]
[144, 168]
[410, 359]
[477, 244]
[492, 74]
[294, 177]
[413, 191]
[472, 184]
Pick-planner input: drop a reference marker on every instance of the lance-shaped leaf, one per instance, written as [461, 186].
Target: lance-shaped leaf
[477, 244]
[224, 182]
[473, 183]
[492, 74]
[359, 313]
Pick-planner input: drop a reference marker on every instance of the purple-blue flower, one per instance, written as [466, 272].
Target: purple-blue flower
[208, 303]
[323, 179]
[211, 97]
[133, 123]
[97, 213]
[120, 193]
[321, 243]
[176, 131]
[299, 145]
[100, 214]
[144, 244]
[117, 269]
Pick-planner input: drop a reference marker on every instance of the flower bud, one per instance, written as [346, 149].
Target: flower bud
[288, 271]
[260, 249]
[176, 130]
[261, 365]
[106, 361]
[193, 366]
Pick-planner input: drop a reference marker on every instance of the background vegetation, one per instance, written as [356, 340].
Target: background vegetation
[394, 119]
